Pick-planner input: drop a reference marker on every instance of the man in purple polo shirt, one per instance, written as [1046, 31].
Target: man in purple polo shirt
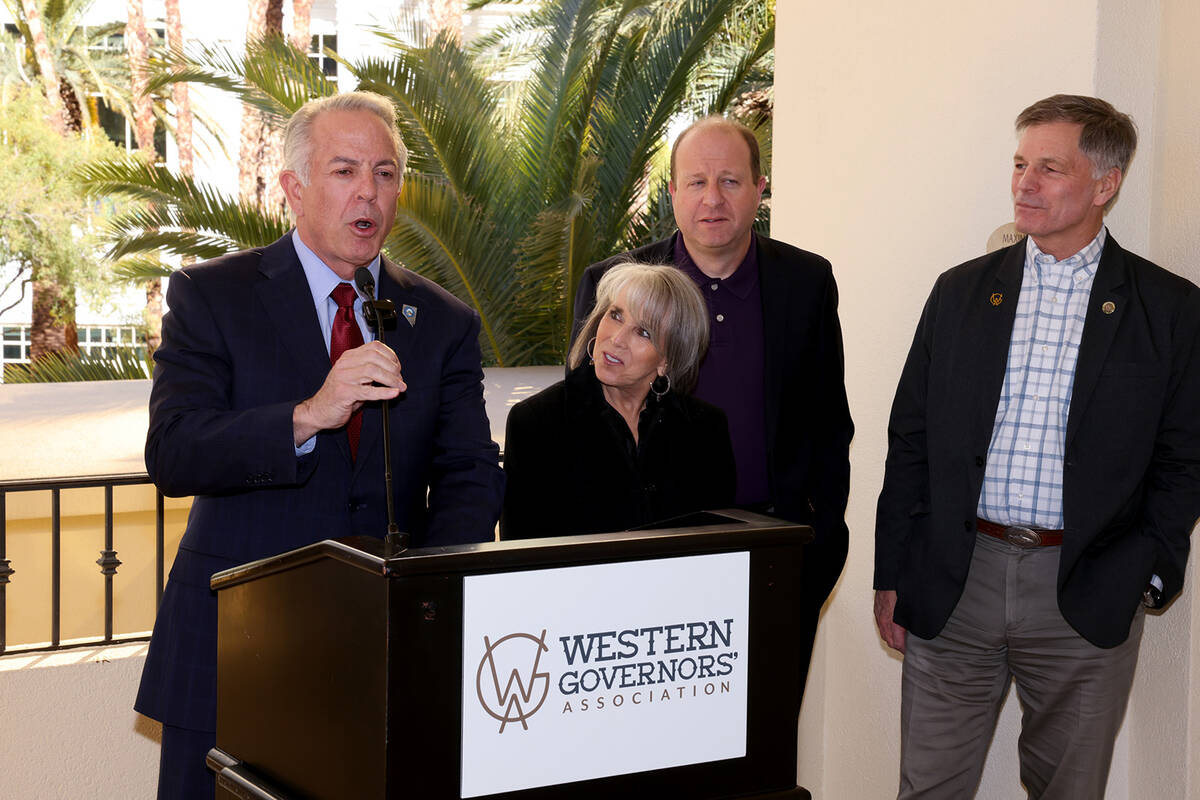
[774, 361]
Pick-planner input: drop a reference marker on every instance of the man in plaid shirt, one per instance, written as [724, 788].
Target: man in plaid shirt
[1043, 475]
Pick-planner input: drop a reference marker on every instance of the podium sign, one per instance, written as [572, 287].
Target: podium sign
[658, 663]
[584, 672]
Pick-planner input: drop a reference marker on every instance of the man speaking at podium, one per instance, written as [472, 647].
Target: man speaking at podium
[280, 448]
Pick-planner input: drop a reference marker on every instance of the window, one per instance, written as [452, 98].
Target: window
[115, 125]
[316, 51]
[16, 343]
[93, 340]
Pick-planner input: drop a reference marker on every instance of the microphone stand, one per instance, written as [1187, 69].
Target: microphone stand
[378, 311]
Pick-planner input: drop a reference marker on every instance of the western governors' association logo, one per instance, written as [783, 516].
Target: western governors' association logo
[508, 683]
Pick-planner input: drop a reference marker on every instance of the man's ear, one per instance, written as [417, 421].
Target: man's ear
[1109, 182]
[290, 182]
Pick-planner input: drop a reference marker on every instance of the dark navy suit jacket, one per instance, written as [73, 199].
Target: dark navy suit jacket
[1131, 471]
[241, 347]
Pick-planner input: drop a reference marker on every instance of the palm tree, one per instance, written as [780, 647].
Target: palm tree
[79, 59]
[510, 192]
[260, 152]
[72, 68]
[31, 15]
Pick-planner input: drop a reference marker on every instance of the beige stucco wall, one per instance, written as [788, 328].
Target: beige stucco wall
[893, 146]
[69, 728]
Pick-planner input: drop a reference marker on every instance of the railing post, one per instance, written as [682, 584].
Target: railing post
[55, 567]
[108, 562]
[159, 554]
[5, 571]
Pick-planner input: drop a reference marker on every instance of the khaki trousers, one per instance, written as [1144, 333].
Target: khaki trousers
[1007, 626]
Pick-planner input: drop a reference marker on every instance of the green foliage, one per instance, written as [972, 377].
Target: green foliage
[88, 60]
[48, 227]
[178, 216]
[514, 184]
[117, 364]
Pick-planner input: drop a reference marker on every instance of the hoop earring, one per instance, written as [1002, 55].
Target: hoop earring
[660, 386]
[589, 349]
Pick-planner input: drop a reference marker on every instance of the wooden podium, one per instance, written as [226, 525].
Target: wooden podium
[341, 666]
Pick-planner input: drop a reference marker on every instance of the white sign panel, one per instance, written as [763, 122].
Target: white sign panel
[585, 672]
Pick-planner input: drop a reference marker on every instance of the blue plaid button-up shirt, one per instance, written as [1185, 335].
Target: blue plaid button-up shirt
[1022, 483]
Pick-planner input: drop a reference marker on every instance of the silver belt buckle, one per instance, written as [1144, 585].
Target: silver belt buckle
[1022, 536]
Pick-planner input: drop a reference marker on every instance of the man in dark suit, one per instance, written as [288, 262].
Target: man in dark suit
[1043, 474]
[774, 362]
[280, 448]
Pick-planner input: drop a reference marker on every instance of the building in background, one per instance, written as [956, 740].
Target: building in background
[347, 27]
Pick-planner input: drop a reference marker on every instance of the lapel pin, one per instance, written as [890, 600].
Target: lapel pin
[1108, 307]
[996, 298]
[410, 314]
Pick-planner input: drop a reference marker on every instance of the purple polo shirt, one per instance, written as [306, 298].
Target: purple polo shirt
[731, 376]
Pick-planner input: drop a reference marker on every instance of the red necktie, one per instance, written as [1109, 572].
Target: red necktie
[346, 335]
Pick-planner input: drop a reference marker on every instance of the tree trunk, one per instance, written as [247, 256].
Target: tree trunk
[41, 52]
[446, 15]
[260, 155]
[52, 328]
[137, 45]
[301, 36]
[274, 16]
[153, 314]
[179, 94]
[72, 111]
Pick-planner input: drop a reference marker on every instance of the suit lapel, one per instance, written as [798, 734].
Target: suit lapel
[1110, 286]
[987, 329]
[287, 300]
[775, 339]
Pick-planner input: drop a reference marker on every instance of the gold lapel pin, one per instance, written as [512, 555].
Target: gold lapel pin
[996, 298]
[1108, 307]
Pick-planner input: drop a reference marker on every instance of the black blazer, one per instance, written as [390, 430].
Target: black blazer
[570, 469]
[806, 413]
[241, 347]
[1131, 469]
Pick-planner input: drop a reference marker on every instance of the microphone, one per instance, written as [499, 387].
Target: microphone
[376, 312]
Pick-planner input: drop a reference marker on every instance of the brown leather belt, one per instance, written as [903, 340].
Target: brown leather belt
[1020, 535]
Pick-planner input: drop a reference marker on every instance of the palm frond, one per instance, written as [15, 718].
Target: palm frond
[139, 269]
[273, 76]
[447, 111]
[116, 364]
[654, 81]
[182, 216]
[438, 235]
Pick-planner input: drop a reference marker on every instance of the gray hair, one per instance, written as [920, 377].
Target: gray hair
[667, 304]
[298, 143]
[1108, 137]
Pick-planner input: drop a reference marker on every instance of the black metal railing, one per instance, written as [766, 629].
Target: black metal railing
[108, 561]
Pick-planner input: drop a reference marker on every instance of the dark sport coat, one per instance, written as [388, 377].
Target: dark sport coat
[1131, 471]
[241, 348]
[807, 417]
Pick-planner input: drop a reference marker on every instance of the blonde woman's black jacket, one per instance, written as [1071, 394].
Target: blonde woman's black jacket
[572, 466]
